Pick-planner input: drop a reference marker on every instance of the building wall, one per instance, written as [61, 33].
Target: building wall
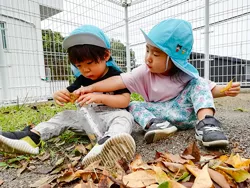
[24, 58]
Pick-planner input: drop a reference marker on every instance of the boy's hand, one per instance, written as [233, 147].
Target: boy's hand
[61, 97]
[90, 98]
[234, 90]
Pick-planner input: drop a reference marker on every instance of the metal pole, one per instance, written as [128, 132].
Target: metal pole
[127, 39]
[207, 62]
[3, 70]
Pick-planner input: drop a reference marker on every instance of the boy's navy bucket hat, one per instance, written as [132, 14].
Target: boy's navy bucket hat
[175, 38]
[88, 34]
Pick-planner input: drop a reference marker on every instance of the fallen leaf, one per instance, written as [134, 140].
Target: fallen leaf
[175, 167]
[139, 178]
[193, 169]
[81, 149]
[203, 180]
[43, 181]
[22, 169]
[174, 158]
[1, 182]
[218, 178]
[138, 163]
[59, 161]
[192, 150]
[44, 157]
[103, 183]
[67, 177]
[238, 175]
[160, 175]
[171, 184]
[238, 162]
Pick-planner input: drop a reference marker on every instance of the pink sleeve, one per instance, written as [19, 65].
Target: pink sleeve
[211, 84]
[134, 80]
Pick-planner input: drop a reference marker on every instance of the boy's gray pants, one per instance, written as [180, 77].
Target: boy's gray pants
[114, 121]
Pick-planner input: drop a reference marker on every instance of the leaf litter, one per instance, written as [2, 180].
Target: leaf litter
[166, 170]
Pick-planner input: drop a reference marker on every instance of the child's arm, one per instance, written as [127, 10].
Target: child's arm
[110, 84]
[234, 91]
[115, 101]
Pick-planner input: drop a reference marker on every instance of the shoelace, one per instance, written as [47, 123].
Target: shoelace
[212, 128]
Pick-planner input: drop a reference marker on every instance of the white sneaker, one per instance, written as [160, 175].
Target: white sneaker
[113, 149]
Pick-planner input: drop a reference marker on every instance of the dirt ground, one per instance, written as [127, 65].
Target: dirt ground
[234, 113]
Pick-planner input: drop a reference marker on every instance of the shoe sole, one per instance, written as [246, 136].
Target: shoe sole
[16, 146]
[155, 135]
[115, 148]
[216, 143]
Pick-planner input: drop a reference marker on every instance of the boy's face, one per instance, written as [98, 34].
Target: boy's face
[91, 69]
[156, 60]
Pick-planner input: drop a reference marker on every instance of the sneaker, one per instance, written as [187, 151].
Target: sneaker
[209, 132]
[20, 142]
[158, 131]
[111, 149]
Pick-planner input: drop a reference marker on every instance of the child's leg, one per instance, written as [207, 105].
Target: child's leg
[152, 118]
[27, 141]
[66, 120]
[208, 129]
[116, 142]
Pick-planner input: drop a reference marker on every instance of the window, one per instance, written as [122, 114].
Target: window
[3, 34]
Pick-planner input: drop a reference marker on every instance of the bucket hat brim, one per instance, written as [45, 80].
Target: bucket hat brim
[184, 65]
[81, 39]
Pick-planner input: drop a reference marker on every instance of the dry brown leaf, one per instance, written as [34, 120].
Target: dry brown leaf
[218, 178]
[1, 182]
[174, 158]
[193, 169]
[43, 181]
[23, 168]
[44, 157]
[192, 150]
[103, 183]
[138, 163]
[73, 97]
[175, 167]
[139, 178]
[81, 148]
[67, 177]
[203, 180]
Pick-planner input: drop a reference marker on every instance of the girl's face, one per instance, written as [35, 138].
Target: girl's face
[93, 70]
[156, 60]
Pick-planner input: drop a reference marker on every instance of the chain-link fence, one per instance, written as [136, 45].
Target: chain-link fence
[33, 63]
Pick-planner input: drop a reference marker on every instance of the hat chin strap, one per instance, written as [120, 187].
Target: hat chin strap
[167, 64]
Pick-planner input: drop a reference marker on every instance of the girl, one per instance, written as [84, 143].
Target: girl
[88, 50]
[175, 96]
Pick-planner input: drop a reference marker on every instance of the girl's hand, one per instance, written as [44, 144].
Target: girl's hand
[90, 98]
[83, 90]
[61, 97]
[234, 90]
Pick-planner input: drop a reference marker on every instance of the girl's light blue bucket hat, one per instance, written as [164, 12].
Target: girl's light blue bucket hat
[175, 38]
[88, 34]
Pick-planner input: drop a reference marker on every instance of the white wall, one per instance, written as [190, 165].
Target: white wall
[24, 54]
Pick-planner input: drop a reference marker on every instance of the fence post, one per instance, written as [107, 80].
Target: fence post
[206, 62]
[3, 70]
[127, 36]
